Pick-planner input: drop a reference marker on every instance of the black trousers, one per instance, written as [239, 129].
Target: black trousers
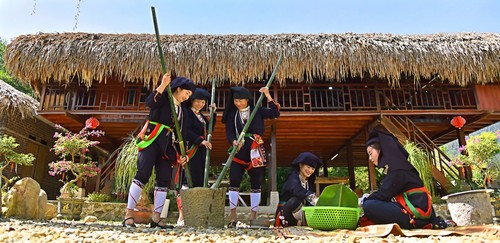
[382, 212]
[159, 157]
[236, 175]
[292, 205]
[197, 166]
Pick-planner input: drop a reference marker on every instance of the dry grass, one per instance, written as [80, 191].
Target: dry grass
[455, 58]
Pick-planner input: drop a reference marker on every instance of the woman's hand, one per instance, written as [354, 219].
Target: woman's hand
[235, 143]
[165, 81]
[182, 160]
[143, 130]
[265, 90]
[207, 144]
[213, 106]
[312, 199]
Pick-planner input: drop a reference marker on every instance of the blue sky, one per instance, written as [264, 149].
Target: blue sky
[249, 16]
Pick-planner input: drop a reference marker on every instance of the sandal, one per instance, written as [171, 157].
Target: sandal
[232, 224]
[124, 223]
[154, 224]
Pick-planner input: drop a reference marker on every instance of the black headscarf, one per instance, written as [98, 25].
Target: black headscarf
[183, 83]
[392, 153]
[310, 159]
[307, 158]
[236, 93]
[200, 94]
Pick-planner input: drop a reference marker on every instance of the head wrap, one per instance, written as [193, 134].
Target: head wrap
[307, 158]
[183, 83]
[198, 94]
[235, 93]
[392, 152]
[241, 93]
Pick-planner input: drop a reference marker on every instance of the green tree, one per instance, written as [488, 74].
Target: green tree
[8, 155]
[4, 75]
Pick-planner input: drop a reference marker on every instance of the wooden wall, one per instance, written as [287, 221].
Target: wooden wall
[488, 97]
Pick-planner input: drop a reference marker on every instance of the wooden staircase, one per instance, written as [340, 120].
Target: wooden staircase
[405, 130]
[108, 168]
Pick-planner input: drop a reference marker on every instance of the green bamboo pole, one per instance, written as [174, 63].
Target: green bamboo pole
[209, 136]
[172, 106]
[245, 128]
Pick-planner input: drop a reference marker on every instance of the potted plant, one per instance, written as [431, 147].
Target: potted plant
[70, 146]
[479, 153]
[473, 207]
[125, 170]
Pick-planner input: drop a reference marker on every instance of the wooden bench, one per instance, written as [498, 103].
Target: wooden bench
[328, 181]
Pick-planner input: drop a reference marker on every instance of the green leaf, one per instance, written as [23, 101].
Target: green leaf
[338, 195]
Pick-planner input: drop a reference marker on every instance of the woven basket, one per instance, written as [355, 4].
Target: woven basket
[330, 218]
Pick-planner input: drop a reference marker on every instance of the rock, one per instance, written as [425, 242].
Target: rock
[204, 206]
[42, 204]
[50, 211]
[23, 198]
[90, 219]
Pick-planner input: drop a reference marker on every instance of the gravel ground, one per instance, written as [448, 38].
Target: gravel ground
[12, 230]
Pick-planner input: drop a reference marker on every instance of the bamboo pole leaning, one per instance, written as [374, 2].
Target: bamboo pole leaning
[209, 136]
[172, 106]
[245, 128]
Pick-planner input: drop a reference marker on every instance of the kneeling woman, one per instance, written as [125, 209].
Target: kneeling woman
[298, 190]
[401, 197]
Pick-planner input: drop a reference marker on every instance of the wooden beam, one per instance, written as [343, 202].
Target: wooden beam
[367, 127]
[350, 167]
[77, 118]
[274, 160]
[392, 128]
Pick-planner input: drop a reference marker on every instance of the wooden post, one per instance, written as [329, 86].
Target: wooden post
[467, 172]
[274, 161]
[325, 169]
[371, 171]
[350, 166]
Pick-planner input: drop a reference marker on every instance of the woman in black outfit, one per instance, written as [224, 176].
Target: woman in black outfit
[401, 197]
[157, 147]
[298, 190]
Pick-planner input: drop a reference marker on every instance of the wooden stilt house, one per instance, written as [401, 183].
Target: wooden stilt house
[332, 88]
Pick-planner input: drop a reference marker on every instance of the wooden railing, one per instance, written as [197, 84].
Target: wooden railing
[338, 97]
[108, 167]
[107, 170]
[439, 159]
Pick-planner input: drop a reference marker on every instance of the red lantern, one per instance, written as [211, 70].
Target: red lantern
[458, 122]
[92, 123]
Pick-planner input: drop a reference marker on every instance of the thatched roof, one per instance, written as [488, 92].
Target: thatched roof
[13, 101]
[456, 58]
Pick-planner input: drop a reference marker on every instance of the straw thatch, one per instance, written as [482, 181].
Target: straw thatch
[13, 101]
[456, 58]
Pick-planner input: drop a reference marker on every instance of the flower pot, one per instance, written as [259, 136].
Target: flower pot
[470, 207]
[69, 208]
[142, 214]
[204, 206]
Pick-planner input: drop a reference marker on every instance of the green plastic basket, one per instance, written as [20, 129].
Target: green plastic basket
[330, 218]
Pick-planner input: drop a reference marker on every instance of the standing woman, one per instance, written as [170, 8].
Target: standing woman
[197, 129]
[197, 135]
[298, 190]
[251, 154]
[401, 197]
[157, 149]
